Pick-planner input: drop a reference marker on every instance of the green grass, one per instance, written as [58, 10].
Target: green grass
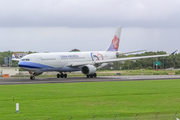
[139, 72]
[147, 72]
[83, 100]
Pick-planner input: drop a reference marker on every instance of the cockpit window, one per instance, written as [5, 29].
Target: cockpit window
[25, 59]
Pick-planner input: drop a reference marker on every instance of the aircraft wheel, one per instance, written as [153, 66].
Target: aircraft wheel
[65, 75]
[62, 75]
[91, 76]
[95, 75]
[58, 75]
[87, 76]
[32, 78]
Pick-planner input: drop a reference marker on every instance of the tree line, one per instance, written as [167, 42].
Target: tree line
[9, 54]
[172, 61]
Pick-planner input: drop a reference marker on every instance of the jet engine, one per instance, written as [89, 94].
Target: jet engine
[88, 69]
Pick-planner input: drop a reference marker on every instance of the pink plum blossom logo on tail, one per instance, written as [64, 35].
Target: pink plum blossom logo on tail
[115, 42]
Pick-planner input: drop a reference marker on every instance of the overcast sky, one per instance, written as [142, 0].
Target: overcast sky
[89, 25]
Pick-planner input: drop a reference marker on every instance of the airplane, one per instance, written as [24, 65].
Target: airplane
[86, 62]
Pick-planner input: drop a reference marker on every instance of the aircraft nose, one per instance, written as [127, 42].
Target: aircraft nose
[24, 64]
[20, 64]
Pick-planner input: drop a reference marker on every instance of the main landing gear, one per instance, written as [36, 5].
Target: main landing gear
[92, 75]
[61, 75]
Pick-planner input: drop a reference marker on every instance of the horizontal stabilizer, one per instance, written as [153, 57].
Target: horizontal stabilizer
[132, 52]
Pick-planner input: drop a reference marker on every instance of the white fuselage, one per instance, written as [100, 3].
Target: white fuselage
[61, 61]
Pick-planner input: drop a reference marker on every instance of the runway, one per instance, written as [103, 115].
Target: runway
[41, 80]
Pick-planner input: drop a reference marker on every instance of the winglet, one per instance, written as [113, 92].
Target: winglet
[174, 52]
[14, 58]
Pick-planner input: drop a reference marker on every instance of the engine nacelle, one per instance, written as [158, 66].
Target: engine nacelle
[37, 73]
[88, 69]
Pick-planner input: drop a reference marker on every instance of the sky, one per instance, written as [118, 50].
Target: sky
[89, 25]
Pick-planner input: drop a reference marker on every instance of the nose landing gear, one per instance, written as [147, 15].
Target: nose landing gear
[32, 77]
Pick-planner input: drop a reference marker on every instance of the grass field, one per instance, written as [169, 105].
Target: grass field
[83, 100]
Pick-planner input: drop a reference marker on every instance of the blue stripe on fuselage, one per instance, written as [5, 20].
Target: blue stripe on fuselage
[92, 56]
[26, 64]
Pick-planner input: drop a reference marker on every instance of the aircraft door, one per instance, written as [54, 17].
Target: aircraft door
[39, 60]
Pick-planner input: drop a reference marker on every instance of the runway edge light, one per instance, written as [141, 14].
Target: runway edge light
[17, 107]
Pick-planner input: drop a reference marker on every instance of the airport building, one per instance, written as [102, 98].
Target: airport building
[9, 70]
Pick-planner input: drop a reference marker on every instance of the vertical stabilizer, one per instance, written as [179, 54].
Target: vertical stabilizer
[115, 41]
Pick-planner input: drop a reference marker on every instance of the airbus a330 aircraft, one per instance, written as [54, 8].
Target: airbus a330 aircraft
[87, 62]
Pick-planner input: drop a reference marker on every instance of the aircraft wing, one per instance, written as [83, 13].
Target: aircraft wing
[15, 59]
[130, 58]
[114, 60]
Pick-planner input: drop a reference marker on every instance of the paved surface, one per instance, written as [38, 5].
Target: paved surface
[16, 80]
